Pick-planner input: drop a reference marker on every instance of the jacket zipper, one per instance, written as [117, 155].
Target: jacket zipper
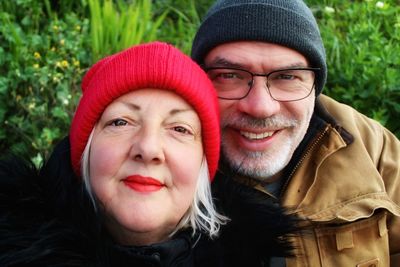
[301, 161]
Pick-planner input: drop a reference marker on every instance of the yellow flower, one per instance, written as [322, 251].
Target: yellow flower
[77, 28]
[64, 64]
[36, 55]
[31, 105]
[62, 42]
[36, 66]
[75, 62]
[53, 48]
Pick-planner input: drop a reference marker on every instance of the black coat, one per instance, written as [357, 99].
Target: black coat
[47, 219]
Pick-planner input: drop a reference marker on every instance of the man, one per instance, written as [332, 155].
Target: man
[333, 166]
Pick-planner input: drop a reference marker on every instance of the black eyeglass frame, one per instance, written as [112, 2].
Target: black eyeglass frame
[266, 75]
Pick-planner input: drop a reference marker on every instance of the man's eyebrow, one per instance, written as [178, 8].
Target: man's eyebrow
[296, 65]
[223, 62]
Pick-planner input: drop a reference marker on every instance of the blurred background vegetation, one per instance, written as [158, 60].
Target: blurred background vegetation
[46, 46]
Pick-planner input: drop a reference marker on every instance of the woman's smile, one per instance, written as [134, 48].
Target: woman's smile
[143, 184]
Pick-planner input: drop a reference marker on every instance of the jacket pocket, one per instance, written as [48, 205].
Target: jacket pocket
[362, 243]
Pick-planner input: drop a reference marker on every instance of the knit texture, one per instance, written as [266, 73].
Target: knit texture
[153, 65]
[289, 23]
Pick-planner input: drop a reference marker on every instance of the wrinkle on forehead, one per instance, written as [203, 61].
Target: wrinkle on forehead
[255, 56]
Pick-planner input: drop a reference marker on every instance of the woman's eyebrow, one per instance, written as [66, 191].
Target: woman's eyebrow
[130, 105]
[173, 111]
[177, 111]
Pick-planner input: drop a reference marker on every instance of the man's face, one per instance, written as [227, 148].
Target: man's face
[260, 134]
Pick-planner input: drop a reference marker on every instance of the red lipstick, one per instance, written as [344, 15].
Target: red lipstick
[142, 184]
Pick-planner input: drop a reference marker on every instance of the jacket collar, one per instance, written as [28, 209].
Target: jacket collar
[169, 253]
[320, 121]
[321, 112]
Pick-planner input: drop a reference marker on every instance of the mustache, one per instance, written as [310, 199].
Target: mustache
[245, 121]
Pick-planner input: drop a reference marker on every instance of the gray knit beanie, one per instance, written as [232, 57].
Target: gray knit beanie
[288, 23]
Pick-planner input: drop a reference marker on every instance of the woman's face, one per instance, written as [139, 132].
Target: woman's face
[145, 158]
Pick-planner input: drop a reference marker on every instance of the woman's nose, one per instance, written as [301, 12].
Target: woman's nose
[147, 147]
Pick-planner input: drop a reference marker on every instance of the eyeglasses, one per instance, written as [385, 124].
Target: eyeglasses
[283, 85]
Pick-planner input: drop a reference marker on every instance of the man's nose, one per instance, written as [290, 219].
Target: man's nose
[259, 103]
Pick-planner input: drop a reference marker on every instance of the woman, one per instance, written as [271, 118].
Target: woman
[131, 184]
[143, 112]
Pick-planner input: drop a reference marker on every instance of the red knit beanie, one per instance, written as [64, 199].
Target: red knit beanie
[153, 65]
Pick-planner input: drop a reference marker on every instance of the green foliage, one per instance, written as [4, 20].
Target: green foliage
[181, 23]
[46, 47]
[362, 40]
[114, 27]
[41, 65]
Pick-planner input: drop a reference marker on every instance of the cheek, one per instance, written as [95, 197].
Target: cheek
[184, 181]
[224, 105]
[227, 109]
[105, 161]
[308, 110]
[105, 158]
[302, 109]
[184, 166]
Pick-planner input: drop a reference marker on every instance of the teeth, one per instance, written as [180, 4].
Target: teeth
[256, 136]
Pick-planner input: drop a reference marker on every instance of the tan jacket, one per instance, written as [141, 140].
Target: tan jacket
[350, 193]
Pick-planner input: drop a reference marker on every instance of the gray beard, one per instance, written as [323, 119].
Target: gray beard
[260, 165]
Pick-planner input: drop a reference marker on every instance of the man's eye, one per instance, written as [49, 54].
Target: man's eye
[285, 76]
[229, 75]
[119, 122]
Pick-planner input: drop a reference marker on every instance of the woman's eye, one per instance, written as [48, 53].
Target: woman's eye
[119, 122]
[181, 129]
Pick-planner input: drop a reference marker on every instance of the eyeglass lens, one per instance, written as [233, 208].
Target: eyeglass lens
[283, 85]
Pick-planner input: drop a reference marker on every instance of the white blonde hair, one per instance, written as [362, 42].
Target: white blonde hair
[201, 214]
